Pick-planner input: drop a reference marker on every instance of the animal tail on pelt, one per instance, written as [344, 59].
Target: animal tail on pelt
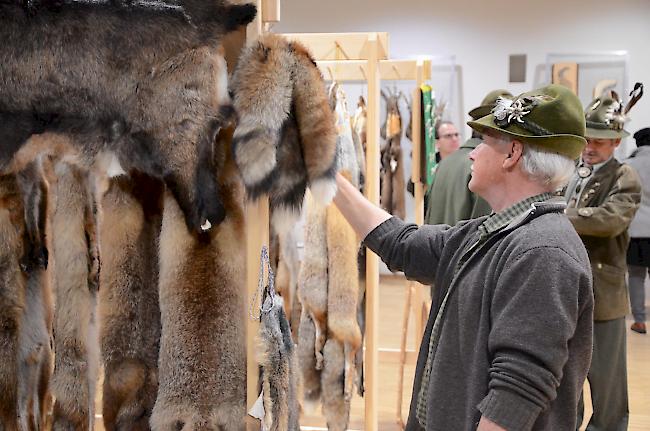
[262, 98]
[316, 124]
[343, 290]
[336, 408]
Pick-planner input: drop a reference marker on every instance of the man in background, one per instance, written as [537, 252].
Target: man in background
[447, 139]
[449, 200]
[603, 197]
[638, 253]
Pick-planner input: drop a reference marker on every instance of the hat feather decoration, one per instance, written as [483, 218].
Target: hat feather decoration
[635, 95]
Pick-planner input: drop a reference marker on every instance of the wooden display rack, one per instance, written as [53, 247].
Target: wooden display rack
[347, 57]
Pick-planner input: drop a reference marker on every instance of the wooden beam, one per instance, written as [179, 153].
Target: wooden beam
[343, 46]
[390, 70]
[270, 11]
[257, 235]
[372, 261]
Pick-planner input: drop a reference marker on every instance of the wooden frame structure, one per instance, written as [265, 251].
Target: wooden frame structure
[348, 57]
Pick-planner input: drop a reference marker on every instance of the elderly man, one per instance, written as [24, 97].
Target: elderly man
[603, 197]
[508, 341]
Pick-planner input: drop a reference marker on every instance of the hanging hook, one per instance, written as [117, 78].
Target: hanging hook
[329, 70]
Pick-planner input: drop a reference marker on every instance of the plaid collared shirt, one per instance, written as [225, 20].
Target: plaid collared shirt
[493, 224]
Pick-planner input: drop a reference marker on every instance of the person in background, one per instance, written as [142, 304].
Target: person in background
[508, 340]
[449, 200]
[603, 197]
[447, 139]
[638, 253]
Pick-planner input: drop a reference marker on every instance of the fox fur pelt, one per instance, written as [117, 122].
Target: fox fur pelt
[279, 368]
[312, 281]
[75, 269]
[130, 217]
[286, 136]
[152, 72]
[202, 364]
[35, 340]
[12, 298]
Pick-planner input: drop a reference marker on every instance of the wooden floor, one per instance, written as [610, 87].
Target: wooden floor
[392, 297]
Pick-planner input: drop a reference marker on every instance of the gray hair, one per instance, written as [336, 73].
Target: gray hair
[546, 168]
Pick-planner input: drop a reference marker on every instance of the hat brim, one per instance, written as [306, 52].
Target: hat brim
[605, 133]
[562, 143]
[480, 111]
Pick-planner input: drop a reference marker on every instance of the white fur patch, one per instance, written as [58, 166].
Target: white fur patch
[109, 164]
[323, 190]
[223, 97]
[284, 219]
[206, 226]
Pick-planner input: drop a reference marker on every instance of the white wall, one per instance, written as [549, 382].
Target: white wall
[482, 34]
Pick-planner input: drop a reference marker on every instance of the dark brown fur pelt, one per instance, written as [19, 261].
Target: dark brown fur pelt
[12, 298]
[202, 365]
[75, 269]
[279, 364]
[150, 71]
[286, 138]
[130, 217]
[336, 408]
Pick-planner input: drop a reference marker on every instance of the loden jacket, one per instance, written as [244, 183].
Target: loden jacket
[601, 217]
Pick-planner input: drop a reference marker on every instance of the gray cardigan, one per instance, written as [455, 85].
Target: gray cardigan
[640, 161]
[516, 341]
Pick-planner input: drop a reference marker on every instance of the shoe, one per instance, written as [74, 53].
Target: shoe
[638, 327]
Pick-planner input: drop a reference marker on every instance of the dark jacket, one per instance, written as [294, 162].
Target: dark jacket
[601, 217]
[449, 200]
[516, 339]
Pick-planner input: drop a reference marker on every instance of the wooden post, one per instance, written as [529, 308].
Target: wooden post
[419, 290]
[257, 235]
[372, 261]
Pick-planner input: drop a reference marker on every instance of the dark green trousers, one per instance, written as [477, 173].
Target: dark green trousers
[607, 379]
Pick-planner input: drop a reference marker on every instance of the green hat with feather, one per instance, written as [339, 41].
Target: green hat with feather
[550, 118]
[606, 115]
[488, 103]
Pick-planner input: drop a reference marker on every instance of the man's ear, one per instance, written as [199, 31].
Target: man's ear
[617, 142]
[515, 154]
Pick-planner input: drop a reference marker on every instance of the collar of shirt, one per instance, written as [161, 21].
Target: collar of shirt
[594, 168]
[498, 221]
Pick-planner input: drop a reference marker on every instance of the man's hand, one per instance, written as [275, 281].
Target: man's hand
[487, 425]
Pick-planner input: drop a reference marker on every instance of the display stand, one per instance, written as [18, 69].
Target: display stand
[362, 57]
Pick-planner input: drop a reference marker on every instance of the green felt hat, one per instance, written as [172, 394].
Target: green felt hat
[488, 103]
[550, 117]
[604, 117]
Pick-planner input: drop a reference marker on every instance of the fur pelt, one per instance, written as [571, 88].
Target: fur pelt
[287, 272]
[279, 365]
[343, 291]
[392, 165]
[154, 72]
[75, 269]
[312, 281]
[130, 217]
[12, 298]
[336, 407]
[35, 353]
[310, 387]
[202, 363]
[286, 137]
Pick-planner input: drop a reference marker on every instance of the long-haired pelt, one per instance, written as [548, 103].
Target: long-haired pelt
[286, 138]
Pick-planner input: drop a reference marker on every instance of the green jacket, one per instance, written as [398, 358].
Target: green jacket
[449, 200]
[601, 217]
